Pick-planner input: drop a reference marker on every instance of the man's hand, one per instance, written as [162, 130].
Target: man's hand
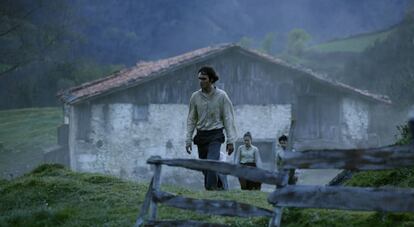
[188, 148]
[229, 148]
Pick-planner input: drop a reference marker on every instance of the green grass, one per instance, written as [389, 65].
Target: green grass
[403, 178]
[353, 44]
[55, 196]
[28, 129]
[52, 195]
[4, 67]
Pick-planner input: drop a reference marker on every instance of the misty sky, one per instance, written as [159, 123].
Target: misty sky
[170, 27]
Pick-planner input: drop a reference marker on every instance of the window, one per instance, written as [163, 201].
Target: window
[83, 112]
[140, 113]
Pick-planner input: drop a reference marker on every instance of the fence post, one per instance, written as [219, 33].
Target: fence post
[155, 186]
[277, 217]
[145, 206]
[411, 128]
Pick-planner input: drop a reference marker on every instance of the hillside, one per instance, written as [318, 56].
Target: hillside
[54, 196]
[353, 44]
[332, 56]
[24, 133]
[51, 195]
[50, 45]
[32, 128]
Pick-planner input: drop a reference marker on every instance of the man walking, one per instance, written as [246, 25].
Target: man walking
[210, 112]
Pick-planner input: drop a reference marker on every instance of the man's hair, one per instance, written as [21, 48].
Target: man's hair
[248, 134]
[209, 71]
[283, 138]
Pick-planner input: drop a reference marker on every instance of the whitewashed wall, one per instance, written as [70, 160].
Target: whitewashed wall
[355, 120]
[264, 121]
[120, 145]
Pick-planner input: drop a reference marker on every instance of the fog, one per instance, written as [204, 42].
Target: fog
[46, 46]
[169, 28]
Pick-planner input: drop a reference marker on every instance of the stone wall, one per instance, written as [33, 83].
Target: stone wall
[355, 121]
[123, 136]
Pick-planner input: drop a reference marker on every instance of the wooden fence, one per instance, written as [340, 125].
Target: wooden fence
[204, 206]
[330, 197]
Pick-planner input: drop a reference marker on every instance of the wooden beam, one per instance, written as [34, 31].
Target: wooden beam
[145, 206]
[247, 172]
[389, 157]
[345, 198]
[169, 223]
[155, 186]
[276, 220]
[213, 207]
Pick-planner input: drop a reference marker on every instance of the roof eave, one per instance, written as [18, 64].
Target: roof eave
[67, 98]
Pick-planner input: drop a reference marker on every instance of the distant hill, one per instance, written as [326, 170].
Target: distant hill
[51, 45]
[331, 57]
[353, 44]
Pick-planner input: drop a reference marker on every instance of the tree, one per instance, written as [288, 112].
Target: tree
[297, 39]
[41, 44]
[388, 66]
[245, 42]
[29, 35]
[267, 43]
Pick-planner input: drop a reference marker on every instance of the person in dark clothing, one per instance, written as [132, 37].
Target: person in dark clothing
[210, 112]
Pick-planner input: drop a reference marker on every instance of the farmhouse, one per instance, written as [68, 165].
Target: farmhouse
[115, 123]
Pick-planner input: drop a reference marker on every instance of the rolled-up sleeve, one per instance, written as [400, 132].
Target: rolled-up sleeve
[191, 120]
[228, 120]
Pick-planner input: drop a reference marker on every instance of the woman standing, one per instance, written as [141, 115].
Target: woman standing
[248, 155]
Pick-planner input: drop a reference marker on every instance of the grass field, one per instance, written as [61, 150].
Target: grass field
[54, 196]
[51, 195]
[353, 44]
[28, 129]
[24, 133]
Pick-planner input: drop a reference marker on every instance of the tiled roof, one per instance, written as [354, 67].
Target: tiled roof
[144, 71]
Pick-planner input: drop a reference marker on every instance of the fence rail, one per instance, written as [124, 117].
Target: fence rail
[247, 172]
[389, 157]
[213, 207]
[345, 198]
[169, 223]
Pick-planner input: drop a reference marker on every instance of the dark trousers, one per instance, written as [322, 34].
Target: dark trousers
[210, 151]
[249, 185]
[292, 178]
